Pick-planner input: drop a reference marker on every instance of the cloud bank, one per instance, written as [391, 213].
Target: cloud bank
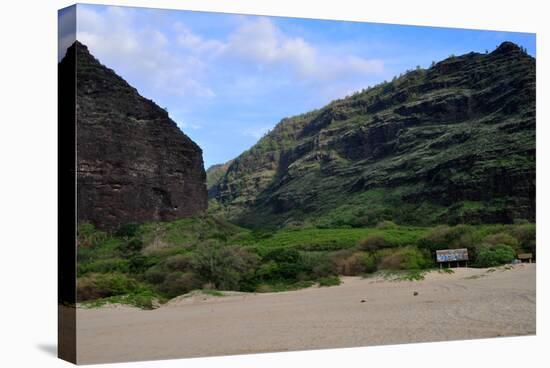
[174, 59]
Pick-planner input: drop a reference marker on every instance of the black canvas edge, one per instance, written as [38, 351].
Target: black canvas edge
[66, 205]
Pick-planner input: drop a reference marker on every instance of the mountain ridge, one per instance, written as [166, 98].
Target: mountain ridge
[133, 163]
[463, 103]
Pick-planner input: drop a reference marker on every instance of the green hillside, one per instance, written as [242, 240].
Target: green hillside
[451, 144]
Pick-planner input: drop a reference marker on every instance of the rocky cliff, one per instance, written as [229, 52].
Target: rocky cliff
[454, 143]
[133, 162]
[213, 176]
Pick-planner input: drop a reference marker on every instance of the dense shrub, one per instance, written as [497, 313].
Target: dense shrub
[355, 264]
[283, 255]
[526, 236]
[406, 258]
[179, 262]
[267, 271]
[223, 266]
[94, 286]
[138, 263]
[370, 263]
[130, 246]
[127, 230]
[491, 256]
[178, 283]
[329, 281]
[372, 243]
[447, 237]
[89, 236]
[104, 266]
[386, 224]
[155, 275]
[318, 264]
[502, 238]
[284, 264]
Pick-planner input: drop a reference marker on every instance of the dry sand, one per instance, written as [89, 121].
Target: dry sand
[471, 303]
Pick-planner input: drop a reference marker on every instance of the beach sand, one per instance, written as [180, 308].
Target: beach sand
[470, 303]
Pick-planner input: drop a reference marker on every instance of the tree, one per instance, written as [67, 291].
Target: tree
[488, 256]
[223, 266]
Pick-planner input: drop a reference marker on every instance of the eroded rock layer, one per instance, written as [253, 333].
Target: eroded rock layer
[133, 163]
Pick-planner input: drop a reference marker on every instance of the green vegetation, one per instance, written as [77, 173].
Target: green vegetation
[414, 151]
[330, 281]
[404, 275]
[148, 264]
[494, 256]
[359, 187]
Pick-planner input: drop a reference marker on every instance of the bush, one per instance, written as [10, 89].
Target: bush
[179, 262]
[283, 255]
[330, 281]
[447, 237]
[127, 230]
[284, 264]
[94, 286]
[491, 256]
[318, 264]
[372, 243]
[130, 246]
[155, 275]
[178, 283]
[369, 260]
[526, 236]
[223, 266]
[386, 224]
[267, 271]
[138, 263]
[407, 258]
[89, 236]
[502, 238]
[103, 266]
[355, 264]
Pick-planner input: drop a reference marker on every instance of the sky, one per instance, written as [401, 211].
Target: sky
[227, 79]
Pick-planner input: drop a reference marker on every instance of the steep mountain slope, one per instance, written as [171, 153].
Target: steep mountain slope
[450, 144]
[213, 176]
[133, 162]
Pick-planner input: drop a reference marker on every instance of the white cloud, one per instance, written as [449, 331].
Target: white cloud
[184, 126]
[195, 43]
[256, 132]
[118, 38]
[178, 62]
[262, 42]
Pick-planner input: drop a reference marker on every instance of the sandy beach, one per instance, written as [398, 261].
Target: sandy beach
[467, 304]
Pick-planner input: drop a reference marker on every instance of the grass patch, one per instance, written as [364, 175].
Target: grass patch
[446, 270]
[281, 286]
[474, 277]
[144, 300]
[330, 281]
[403, 275]
[212, 292]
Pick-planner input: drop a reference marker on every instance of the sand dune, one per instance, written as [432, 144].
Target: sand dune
[470, 303]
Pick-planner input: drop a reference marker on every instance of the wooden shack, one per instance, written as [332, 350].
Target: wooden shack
[525, 257]
[450, 257]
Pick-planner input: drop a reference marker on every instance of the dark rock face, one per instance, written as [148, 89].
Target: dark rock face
[133, 162]
[450, 144]
[213, 175]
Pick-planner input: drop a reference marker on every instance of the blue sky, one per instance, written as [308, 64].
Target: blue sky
[227, 79]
